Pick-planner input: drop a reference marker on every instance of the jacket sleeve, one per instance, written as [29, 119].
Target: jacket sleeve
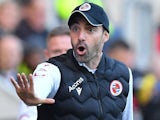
[27, 112]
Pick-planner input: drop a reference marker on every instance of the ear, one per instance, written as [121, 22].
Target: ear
[46, 54]
[105, 36]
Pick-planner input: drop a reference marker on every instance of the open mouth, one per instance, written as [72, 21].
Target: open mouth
[81, 50]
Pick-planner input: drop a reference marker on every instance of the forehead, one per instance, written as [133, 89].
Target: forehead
[59, 40]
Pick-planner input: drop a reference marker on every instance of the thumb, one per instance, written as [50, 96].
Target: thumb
[48, 101]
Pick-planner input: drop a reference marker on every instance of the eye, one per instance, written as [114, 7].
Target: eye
[74, 28]
[92, 29]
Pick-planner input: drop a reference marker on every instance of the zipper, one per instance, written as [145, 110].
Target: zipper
[99, 98]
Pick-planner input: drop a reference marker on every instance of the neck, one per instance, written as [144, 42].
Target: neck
[93, 63]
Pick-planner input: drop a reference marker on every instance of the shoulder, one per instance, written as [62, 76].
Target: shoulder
[46, 65]
[113, 63]
[45, 68]
[118, 67]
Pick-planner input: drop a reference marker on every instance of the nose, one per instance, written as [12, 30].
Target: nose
[82, 35]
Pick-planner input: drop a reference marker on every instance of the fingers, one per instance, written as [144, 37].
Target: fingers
[31, 82]
[20, 80]
[25, 81]
[14, 83]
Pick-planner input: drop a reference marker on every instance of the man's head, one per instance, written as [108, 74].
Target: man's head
[89, 28]
[34, 12]
[11, 52]
[10, 15]
[122, 51]
[58, 42]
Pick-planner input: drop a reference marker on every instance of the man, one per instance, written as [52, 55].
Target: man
[58, 42]
[84, 83]
[11, 53]
[32, 28]
[10, 13]
[120, 50]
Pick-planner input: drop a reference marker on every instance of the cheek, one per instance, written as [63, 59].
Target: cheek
[74, 36]
[94, 42]
[74, 42]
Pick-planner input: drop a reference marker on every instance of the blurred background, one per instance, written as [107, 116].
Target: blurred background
[134, 40]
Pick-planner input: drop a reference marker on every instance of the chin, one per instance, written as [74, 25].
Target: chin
[81, 59]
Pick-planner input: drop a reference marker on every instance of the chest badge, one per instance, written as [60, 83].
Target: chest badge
[75, 86]
[116, 87]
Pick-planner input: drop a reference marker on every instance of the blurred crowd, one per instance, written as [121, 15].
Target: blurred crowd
[26, 30]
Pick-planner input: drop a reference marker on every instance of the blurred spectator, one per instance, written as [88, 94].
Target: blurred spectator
[32, 57]
[157, 42]
[58, 42]
[122, 51]
[10, 58]
[10, 16]
[32, 29]
[54, 48]
[149, 93]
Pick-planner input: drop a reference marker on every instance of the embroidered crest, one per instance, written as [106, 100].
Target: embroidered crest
[85, 7]
[75, 86]
[116, 88]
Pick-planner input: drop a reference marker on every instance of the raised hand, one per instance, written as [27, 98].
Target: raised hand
[25, 90]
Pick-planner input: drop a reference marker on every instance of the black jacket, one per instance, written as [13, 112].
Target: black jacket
[86, 96]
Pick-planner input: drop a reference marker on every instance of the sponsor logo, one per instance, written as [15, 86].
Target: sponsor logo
[78, 89]
[75, 86]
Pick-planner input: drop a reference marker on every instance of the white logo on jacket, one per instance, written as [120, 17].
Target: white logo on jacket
[75, 86]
